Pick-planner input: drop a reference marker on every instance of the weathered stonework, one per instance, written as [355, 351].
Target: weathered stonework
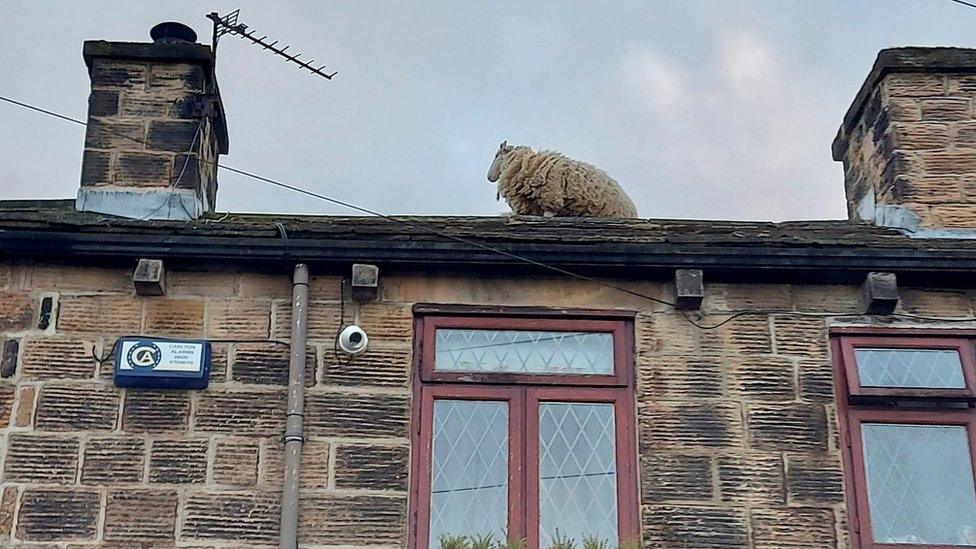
[909, 140]
[737, 425]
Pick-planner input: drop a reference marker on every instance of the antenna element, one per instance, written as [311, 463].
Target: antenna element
[228, 25]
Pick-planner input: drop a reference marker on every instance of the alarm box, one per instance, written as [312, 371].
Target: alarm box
[162, 363]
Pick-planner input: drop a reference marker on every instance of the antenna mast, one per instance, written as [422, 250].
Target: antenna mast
[228, 25]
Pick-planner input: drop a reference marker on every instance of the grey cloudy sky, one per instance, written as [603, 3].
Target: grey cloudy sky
[705, 109]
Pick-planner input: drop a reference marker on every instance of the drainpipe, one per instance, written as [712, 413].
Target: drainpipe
[296, 408]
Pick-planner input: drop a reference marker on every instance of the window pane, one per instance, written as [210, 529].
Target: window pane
[577, 472]
[921, 368]
[920, 484]
[523, 352]
[469, 469]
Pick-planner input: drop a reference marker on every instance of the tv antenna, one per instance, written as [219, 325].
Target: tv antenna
[228, 24]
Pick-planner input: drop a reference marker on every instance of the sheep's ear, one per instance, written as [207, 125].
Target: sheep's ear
[504, 144]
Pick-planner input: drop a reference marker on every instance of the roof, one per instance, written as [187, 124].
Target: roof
[835, 250]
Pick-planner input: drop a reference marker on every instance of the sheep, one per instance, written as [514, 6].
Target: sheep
[549, 184]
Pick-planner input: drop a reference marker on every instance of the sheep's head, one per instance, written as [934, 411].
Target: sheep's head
[495, 170]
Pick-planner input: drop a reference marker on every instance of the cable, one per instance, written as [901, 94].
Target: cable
[732, 316]
[964, 3]
[374, 213]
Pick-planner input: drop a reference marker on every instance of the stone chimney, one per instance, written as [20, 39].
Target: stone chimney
[155, 127]
[908, 142]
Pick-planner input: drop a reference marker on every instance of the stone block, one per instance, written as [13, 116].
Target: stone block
[389, 323]
[204, 284]
[103, 102]
[947, 109]
[827, 298]
[323, 320]
[880, 293]
[77, 407]
[181, 461]
[247, 518]
[357, 415]
[60, 514]
[684, 426]
[241, 413]
[267, 286]
[16, 312]
[694, 527]
[177, 77]
[746, 334]
[814, 479]
[8, 358]
[314, 466]
[816, 380]
[96, 168]
[112, 460]
[914, 85]
[105, 314]
[115, 135]
[800, 336]
[118, 73]
[935, 303]
[141, 516]
[951, 216]
[173, 135]
[747, 297]
[138, 104]
[372, 467]
[381, 365]
[236, 462]
[679, 377]
[960, 161]
[6, 404]
[175, 317]
[239, 319]
[796, 527]
[8, 505]
[920, 136]
[689, 289]
[762, 378]
[136, 169]
[41, 459]
[267, 364]
[352, 520]
[24, 414]
[147, 411]
[676, 476]
[57, 278]
[665, 333]
[934, 189]
[753, 478]
[57, 359]
[46, 313]
[787, 427]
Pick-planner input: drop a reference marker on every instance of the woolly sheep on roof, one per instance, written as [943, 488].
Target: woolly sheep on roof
[549, 184]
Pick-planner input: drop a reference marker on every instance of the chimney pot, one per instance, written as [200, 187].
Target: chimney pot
[170, 32]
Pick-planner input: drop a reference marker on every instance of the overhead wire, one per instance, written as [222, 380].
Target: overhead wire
[964, 3]
[731, 315]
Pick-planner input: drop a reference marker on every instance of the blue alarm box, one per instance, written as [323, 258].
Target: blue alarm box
[149, 363]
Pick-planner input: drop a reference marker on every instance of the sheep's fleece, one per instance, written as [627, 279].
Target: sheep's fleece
[547, 183]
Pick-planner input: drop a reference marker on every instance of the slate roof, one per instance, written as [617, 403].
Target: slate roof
[53, 227]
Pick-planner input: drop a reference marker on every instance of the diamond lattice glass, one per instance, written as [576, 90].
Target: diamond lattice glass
[523, 352]
[577, 472]
[911, 368]
[469, 469]
[920, 484]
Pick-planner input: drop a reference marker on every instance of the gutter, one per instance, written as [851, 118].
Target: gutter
[296, 409]
[611, 259]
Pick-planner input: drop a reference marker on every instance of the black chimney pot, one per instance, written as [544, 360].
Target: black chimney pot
[171, 31]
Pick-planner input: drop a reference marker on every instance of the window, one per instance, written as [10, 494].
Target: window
[910, 434]
[524, 426]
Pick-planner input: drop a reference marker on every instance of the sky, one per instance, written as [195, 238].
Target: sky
[708, 109]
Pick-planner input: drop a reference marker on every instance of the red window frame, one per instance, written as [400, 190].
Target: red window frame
[524, 393]
[857, 405]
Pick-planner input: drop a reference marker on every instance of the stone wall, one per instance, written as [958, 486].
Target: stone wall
[737, 425]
